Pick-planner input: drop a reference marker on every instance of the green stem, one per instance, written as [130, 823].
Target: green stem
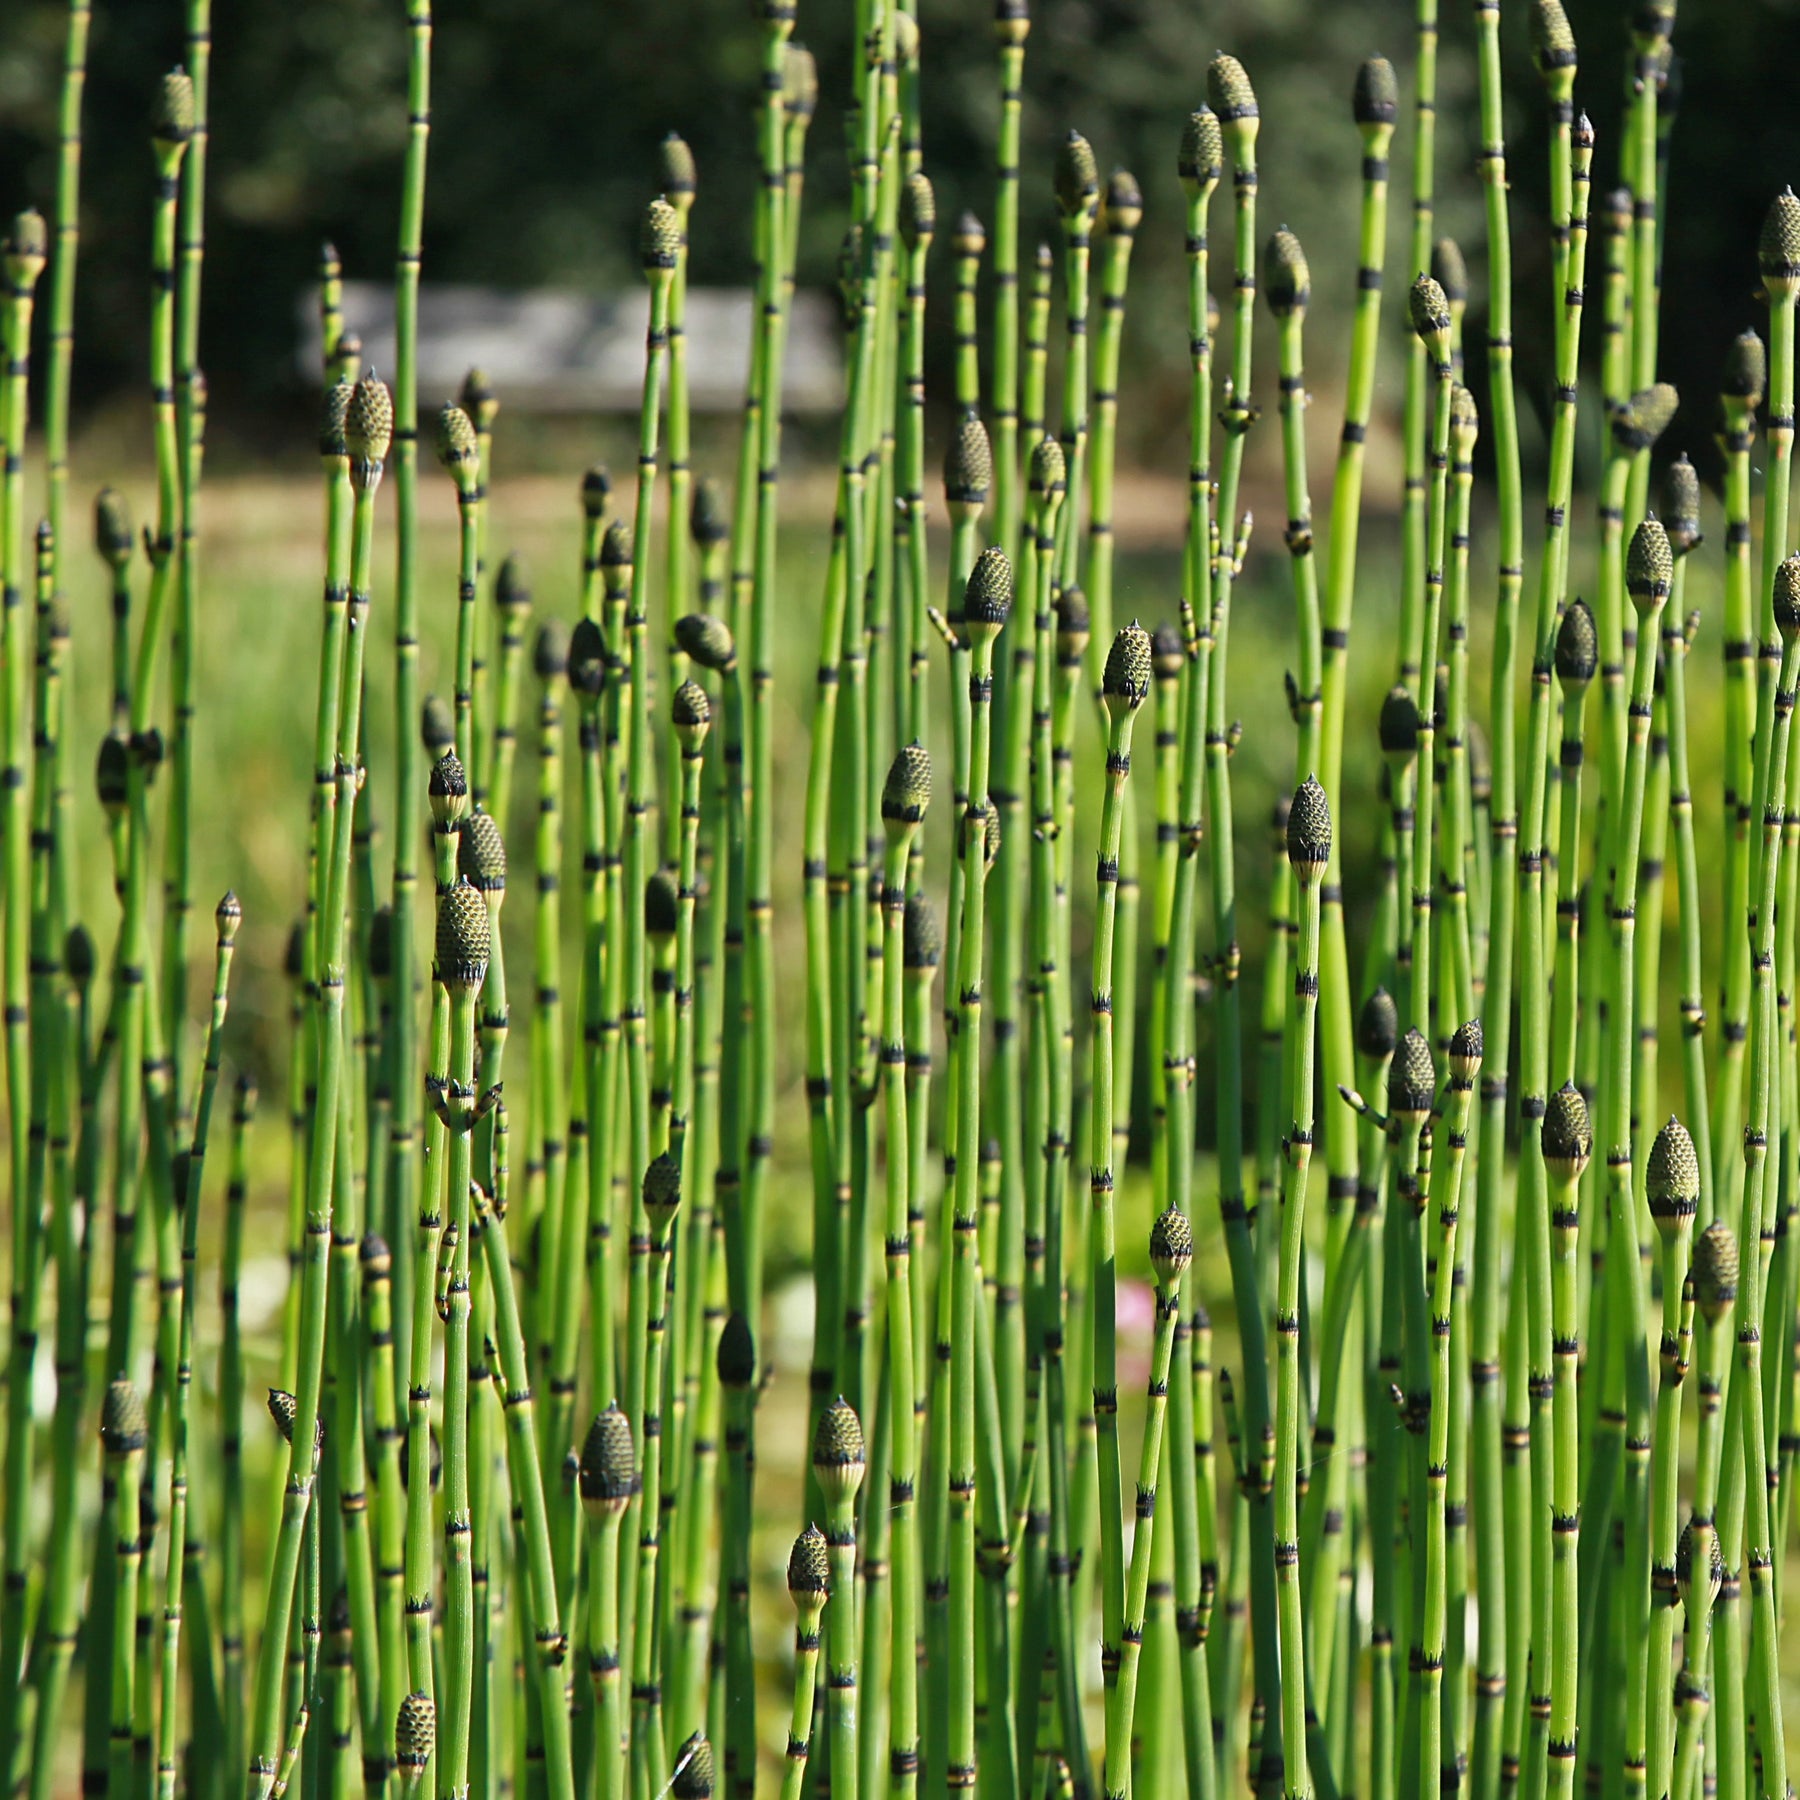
[63, 265]
[23, 263]
[740, 1453]
[1529, 1351]
[1763, 1691]
[960, 1469]
[1241, 125]
[806, 1673]
[194, 1168]
[410, 1198]
[610, 1735]
[550, 1644]
[1309, 851]
[455, 1697]
[1436, 1758]
[1126, 690]
[648, 1758]
[190, 391]
[1375, 127]
[1415, 551]
[903, 1702]
[758, 1047]
[1649, 599]
[1170, 1248]
[1676, 1228]
[1741, 633]
[264, 1746]
[1012, 25]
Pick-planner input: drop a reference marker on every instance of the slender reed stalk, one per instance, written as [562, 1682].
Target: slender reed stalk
[512, 603]
[1457, 980]
[777, 220]
[1763, 1691]
[1649, 572]
[22, 257]
[1577, 660]
[1171, 1250]
[1375, 104]
[190, 401]
[228, 917]
[1196, 1512]
[1715, 1278]
[809, 1581]
[1414, 525]
[1568, 1143]
[464, 945]
[969, 244]
[659, 247]
[918, 223]
[449, 804]
[31, 1227]
[1672, 1188]
[987, 603]
[1431, 322]
[368, 428]
[550, 664]
[1435, 1757]
[1529, 1347]
[839, 1464]
[691, 719]
[1013, 1126]
[63, 260]
[661, 1197]
[1125, 687]
[609, 1480]
[1485, 1310]
[549, 1639]
[1743, 384]
[1077, 186]
[1309, 834]
[59, 1614]
[905, 797]
[406, 1138]
[331, 310]
[1198, 164]
[1287, 284]
[231, 1412]
[1232, 98]
[676, 175]
[124, 1434]
[737, 1368]
[1322, 1548]
[1681, 518]
[698, 1506]
[1033, 383]
[1411, 1093]
[1050, 1079]
[1119, 219]
[1012, 26]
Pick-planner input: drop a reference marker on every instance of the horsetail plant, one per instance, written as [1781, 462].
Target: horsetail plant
[1125, 688]
[1309, 832]
[905, 797]
[1462, 1450]
[22, 256]
[839, 1463]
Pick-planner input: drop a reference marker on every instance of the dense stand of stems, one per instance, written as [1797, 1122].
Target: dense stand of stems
[1460, 1426]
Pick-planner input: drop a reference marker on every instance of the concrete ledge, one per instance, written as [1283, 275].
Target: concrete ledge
[559, 350]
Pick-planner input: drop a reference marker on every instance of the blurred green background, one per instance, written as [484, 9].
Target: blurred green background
[545, 114]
